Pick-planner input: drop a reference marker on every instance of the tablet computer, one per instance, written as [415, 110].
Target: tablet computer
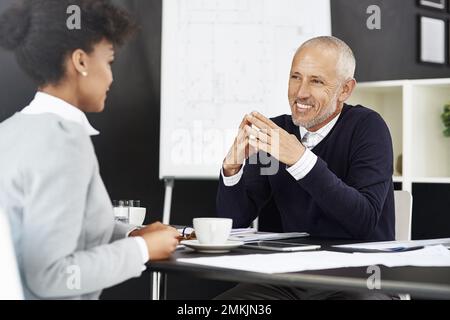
[280, 246]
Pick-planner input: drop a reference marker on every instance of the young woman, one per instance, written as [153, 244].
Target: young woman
[66, 241]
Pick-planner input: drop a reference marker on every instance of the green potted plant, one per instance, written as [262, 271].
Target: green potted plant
[446, 119]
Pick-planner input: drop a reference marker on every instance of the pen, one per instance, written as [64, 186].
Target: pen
[388, 250]
[402, 249]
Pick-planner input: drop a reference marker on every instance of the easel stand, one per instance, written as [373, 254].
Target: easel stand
[158, 279]
[169, 184]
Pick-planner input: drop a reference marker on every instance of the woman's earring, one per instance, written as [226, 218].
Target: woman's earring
[84, 74]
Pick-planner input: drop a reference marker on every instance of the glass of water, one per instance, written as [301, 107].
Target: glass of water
[121, 211]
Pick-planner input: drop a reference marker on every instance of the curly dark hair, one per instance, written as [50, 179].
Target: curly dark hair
[37, 32]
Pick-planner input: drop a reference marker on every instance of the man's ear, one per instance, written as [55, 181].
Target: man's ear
[79, 61]
[347, 90]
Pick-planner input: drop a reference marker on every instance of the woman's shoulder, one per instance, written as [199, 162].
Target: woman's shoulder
[47, 124]
[43, 133]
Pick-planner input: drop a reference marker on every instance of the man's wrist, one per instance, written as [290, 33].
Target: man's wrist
[231, 170]
[297, 159]
[303, 166]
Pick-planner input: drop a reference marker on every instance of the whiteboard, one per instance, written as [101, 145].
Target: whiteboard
[222, 59]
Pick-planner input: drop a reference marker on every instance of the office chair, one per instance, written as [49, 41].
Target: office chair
[403, 217]
[11, 287]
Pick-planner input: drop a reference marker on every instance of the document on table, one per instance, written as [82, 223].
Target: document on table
[396, 245]
[434, 256]
[242, 231]
[258, 236]
[251, 234]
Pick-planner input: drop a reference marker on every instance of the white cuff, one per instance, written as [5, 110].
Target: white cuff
[233, 180]
[303, 166]
[144, 250]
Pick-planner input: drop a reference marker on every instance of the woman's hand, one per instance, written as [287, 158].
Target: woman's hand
[161, 243]
[161, 240]
[157, 226]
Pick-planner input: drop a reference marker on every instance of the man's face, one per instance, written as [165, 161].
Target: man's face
[314, 86]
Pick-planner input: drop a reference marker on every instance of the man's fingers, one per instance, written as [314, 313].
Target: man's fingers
[259, 145]
[242, 134]
[244, 122]
[263, 126]
[240, 138]
[237, 151]
[265, 120]
[252, 149]
[258, 134]
[258, 123]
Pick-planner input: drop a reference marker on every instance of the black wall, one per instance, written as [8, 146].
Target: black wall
[389, 54]
[128, 147]
[392, 52]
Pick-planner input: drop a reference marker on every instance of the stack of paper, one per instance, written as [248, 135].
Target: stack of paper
[435, 256]
[189, 230]
[242, 231]
[393, 245]
[258, 236]
[251, 234]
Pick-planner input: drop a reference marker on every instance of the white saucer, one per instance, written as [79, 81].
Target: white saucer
[212, 248]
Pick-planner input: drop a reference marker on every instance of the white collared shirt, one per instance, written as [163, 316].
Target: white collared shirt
[45, 103]
[310, 140]
[305, 164]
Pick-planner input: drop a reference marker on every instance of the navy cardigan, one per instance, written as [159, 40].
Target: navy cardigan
[347, 195]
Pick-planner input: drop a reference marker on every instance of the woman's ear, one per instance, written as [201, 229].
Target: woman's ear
[347, 90]
[79, 60]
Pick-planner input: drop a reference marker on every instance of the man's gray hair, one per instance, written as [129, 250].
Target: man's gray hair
[346, 63]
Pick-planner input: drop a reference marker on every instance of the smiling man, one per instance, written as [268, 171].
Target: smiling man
[336, 161]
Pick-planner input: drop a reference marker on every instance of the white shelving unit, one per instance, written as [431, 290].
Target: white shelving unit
[412, 110]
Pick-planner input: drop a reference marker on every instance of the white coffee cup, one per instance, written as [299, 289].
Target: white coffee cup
[137, 216]
[212, 230]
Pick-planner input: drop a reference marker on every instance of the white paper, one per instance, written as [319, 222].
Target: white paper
[386, 245]
[189, 230]
[243, 231]
[320, 260]
[251, 234]
[257, 236]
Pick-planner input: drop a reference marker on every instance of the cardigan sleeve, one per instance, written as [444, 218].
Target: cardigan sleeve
[244, 201]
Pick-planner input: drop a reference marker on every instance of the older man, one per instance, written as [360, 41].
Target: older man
[335, 161]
